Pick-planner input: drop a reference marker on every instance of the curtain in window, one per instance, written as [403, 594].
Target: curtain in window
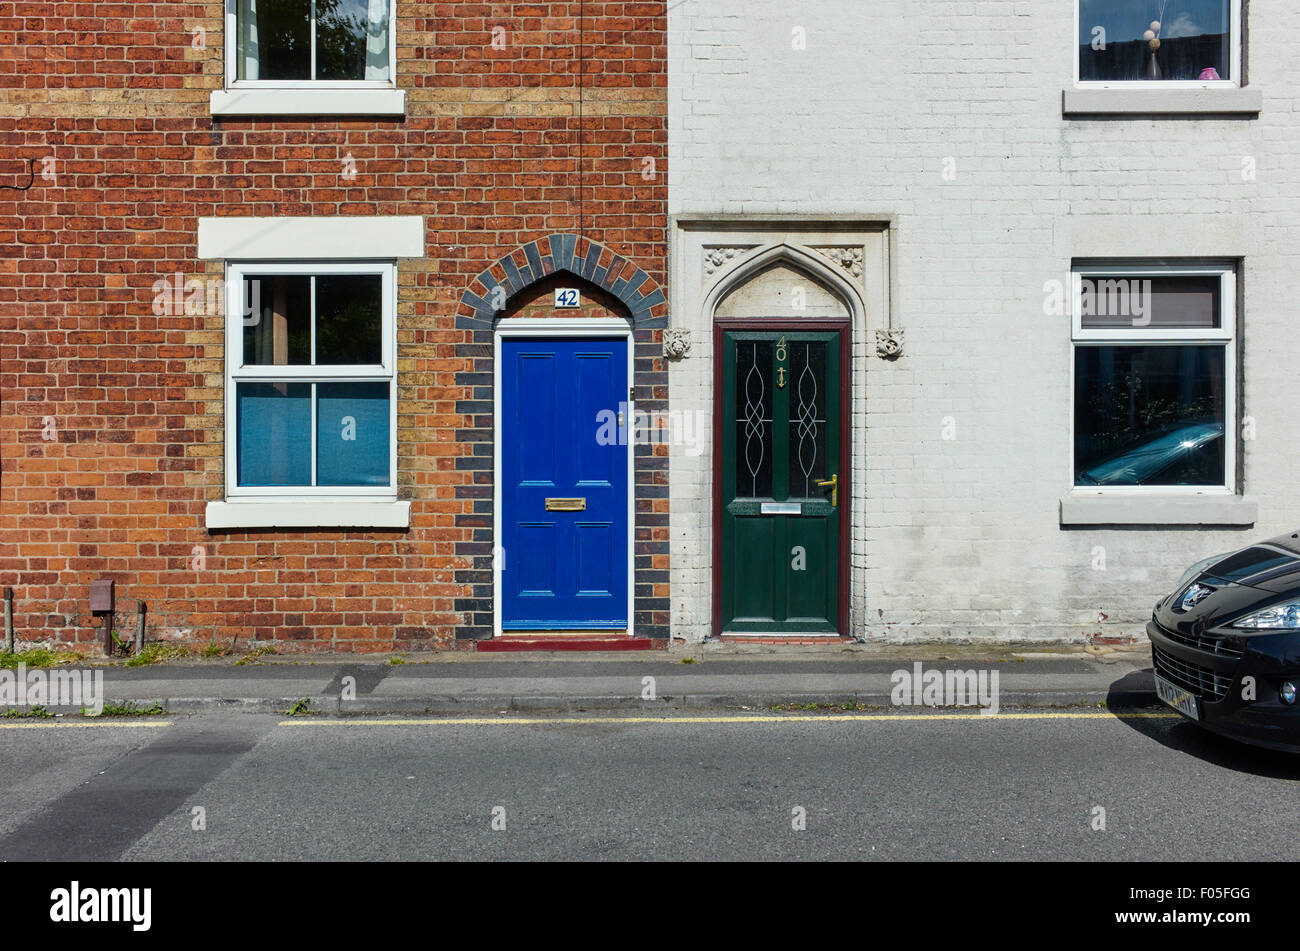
[377, 27]
[259, 340]
[247, 46]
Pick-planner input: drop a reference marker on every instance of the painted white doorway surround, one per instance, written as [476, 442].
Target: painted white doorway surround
[543, 327]
[740, 266]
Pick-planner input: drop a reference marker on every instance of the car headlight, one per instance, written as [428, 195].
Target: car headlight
[1280, 617]
[1196, 569]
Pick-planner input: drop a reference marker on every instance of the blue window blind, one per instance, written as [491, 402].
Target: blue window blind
[274, 426]
[352, 429]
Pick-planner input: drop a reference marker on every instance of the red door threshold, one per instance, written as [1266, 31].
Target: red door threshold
[564, 643]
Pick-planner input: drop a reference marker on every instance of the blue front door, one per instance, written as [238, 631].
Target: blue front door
[564, 483]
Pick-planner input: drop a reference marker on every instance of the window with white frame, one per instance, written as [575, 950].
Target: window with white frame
[311, 384]
[307, 43]
[1154, 377]
[1175, 42]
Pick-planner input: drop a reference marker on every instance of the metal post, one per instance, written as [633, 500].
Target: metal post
[101, 602]
[9, 620]
[140, 611]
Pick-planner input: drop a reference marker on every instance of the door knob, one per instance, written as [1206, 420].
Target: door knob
[834, 483]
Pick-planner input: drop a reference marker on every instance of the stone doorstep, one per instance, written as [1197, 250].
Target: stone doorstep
[518, 643]
[784, 639]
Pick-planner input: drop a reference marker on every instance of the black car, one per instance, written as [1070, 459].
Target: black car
[1226, 644]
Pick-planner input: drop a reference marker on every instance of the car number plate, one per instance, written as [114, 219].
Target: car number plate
[1178, 698]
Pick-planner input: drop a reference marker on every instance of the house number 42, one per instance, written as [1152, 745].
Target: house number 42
[567, 297]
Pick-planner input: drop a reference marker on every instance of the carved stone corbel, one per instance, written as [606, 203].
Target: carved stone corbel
[889, 344]
[677, 343]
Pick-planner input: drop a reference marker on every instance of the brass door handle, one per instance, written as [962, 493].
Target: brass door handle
[834, 483]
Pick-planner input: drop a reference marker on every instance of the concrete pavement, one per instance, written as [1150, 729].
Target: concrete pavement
[723, 677]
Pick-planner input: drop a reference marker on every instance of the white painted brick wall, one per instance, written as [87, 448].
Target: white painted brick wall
[962, 538]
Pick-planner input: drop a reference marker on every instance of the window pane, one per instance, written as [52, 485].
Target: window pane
[1192, 40]
[807, 368]
[754, 419]
[348, 319]
[352, 39]
[352, 428]
[1150, 301]
[273, 422]
[1149, 415]
[274, 39]
[279, 308]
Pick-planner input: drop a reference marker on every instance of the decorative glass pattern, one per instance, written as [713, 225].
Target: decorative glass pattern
[807, 419]
[754, 419]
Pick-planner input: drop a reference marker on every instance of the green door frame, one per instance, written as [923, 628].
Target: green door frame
[721, 326]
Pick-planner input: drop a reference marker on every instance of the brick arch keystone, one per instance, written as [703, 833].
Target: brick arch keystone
[578, 255]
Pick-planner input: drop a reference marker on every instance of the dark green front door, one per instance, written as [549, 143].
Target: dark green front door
[783, 481]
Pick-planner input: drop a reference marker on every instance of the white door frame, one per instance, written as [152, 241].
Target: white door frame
[558, 327]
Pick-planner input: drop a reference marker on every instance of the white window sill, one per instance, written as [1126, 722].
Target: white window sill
[1233, 100]
[1103, 509]
[308, 102]
[308, 513]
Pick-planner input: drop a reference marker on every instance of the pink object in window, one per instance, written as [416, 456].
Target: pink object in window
[1209, 72]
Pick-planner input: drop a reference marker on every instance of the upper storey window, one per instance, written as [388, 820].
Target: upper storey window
[310, 58]
[295, 42]
[1159, 41]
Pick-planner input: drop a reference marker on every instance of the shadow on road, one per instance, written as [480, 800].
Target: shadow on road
[1185, 737]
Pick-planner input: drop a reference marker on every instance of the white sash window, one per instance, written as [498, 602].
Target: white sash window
[303, 44]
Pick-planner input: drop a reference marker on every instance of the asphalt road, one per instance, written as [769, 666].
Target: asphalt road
[871, 787]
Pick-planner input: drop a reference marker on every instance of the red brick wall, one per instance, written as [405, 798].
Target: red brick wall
[112, 429]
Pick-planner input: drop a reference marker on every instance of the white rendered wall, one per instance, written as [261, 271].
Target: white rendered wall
[962, 538]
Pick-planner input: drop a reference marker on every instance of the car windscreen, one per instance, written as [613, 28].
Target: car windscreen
[1243, 565]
